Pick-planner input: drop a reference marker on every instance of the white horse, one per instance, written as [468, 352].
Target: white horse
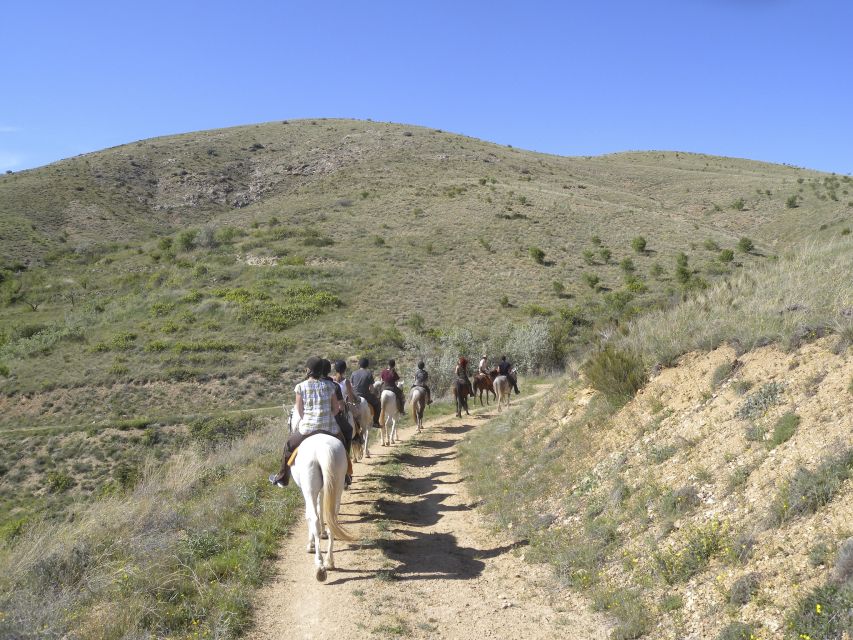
[363, 415]
[388, 415]
[502, 388]
[417, 400]
[319, 471]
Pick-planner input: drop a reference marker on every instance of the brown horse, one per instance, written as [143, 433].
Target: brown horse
[461, 391]
[484, 382]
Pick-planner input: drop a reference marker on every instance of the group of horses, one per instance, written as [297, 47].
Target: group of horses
[321, 464]
[492, 382]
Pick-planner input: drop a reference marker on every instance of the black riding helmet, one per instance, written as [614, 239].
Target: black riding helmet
[340, 366]
[421, 365]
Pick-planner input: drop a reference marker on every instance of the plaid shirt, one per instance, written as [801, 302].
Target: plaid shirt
[317, 406]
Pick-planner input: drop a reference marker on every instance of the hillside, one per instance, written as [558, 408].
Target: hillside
[717, 502]
[155, 284]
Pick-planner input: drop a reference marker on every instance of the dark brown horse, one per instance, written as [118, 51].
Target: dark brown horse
[461, 391]
[484, 382]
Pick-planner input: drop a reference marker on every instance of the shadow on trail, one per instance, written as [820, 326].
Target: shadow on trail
[434, 444]
[462, 428]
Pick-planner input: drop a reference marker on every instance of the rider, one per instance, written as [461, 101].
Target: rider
[505, 369]
[362, 382]
[389, 381]
[340, 417]
[316, 405]
[484, 364]
[461, 372]
[421, 379]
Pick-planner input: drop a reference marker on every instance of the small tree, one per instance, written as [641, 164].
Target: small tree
[537, 254]
[791, 202]
[745, 245]
[627, 265]
[186, 239]
[739, 204]
[605, 254]
[639, 244]
[596, 241]
[504, 301]
[591, 280]
[727, 255]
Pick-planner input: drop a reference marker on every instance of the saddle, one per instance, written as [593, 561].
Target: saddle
[292, 459]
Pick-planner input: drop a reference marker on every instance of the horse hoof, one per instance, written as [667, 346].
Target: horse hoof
[321, 574]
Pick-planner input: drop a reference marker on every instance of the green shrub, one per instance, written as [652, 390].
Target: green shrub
[745, 245]
[737, 631]
[726, 255]
[744, 588]
[59, 481]
[186, 239]
[4, 370]
[756, 404]
[595, 240]
[591, 280]
[701, 544]
[662, 453]
[639, 244]
[627, 265]
[629, 608]
[504, 301]
[635, 285]
[537, 254]
[378, 241]
[558, 287]
[739, 204]
[680, 501]
[123, 341]
[755, 433]
[216, 430]
[588, 257]
[791, 202]
[710, 245]
[807, 491]
[785, 427]
[160, 309]
[605, 254]
[615, 373]
[826, 613]
[165, 244]
[656, 270]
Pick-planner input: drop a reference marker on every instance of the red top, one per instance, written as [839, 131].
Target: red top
[389, 376]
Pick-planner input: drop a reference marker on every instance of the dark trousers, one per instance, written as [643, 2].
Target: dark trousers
[514, 381]
[397, 392]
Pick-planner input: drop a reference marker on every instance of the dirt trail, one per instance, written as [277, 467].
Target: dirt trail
[426, 566]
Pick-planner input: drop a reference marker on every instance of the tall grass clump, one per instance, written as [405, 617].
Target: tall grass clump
[751, 307]
[809, 490]
[616, 373]
[178, 555]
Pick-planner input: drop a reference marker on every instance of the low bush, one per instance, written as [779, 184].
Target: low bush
[629, 608]
[737, 631]
[745, 245]
[212, 431]
[785, 427]
[743, 589]
[826, 613]
[616, 373]
[537, 255]
[701, 544]
[726, 255]
[807, 491]
[680, 501]
[756, 404]
[639, 244]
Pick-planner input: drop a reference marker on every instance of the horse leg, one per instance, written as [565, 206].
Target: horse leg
[367, 441]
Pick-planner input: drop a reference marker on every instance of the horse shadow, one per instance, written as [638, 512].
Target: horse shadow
[462, 428]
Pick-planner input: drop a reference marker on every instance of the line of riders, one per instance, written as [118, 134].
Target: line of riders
[323, 403]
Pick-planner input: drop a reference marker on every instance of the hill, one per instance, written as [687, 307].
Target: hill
[158, 283]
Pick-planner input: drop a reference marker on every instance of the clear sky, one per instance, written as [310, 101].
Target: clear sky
[762, 79]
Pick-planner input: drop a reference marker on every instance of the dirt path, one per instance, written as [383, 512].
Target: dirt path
[426, 566]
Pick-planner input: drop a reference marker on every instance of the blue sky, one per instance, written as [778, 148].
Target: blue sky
[762, 79]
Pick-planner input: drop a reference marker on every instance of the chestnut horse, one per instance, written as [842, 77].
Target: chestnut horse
[484, 382]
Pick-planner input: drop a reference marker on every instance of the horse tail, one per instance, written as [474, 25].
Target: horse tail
[331, 492]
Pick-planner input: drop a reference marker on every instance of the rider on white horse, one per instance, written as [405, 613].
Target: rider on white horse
[316, 406]
[421, 379]
[505, 368]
